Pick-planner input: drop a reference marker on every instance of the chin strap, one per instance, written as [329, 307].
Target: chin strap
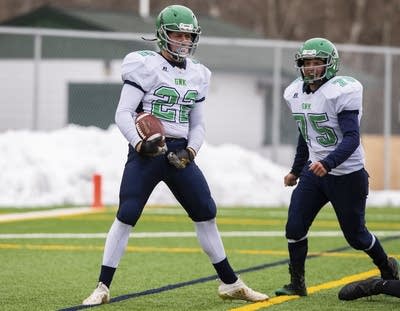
[318, 83]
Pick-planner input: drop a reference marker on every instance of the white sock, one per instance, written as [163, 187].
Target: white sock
[210, 240]
[116, 242]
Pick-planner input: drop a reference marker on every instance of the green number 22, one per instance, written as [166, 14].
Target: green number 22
[327, 136]
[163, 107]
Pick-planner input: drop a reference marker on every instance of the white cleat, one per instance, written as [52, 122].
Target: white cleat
[239, 290]
[100, 295]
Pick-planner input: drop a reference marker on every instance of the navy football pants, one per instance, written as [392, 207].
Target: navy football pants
[347, 194]
[142, 174]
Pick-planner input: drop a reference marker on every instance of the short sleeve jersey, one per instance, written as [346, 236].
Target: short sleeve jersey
[169, 92]
[316, 115]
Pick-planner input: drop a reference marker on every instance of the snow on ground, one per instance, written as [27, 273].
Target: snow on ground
[56, 167]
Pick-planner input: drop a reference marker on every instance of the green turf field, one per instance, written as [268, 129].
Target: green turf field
[54, 272]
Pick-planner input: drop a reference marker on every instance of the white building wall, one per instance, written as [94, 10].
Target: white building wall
[16, 94]
[234, 111]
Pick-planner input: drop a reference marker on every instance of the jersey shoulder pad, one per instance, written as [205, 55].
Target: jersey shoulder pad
[138, 67]
[292, 89]
[146, 53]
[195, 61]
[139, 56]
[139, 59]
[341, 85]
[200, 68]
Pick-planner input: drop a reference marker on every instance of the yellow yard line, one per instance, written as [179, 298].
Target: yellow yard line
[153, 249]
[76, 213]
[311, 290]
[54, 213]
[54, 247]
[133, 249]
[181, 234]
[285, 253]
[64, 247]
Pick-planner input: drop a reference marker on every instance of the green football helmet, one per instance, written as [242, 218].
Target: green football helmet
[177, 18]
[322, 49]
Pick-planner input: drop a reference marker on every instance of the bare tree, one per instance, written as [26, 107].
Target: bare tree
[355, 21]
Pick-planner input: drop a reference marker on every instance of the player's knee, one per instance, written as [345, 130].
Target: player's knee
[128, 216]
[203, 216]
[358, 242]
[204, 212]
[358, 245]
[295, 231]
[126, 219]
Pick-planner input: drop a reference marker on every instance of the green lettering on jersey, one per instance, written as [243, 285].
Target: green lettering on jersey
[179, 81]
[301, 121]
[165, 107]
[146, 53]
[342, 81]
[306, 106]
[327, 136]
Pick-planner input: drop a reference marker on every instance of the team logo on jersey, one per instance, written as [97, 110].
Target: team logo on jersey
[306, 106]
[179, 81]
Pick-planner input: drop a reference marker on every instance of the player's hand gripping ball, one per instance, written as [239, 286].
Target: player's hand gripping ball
[151, 131]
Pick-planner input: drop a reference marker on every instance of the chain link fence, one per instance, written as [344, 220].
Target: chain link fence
[52, 78]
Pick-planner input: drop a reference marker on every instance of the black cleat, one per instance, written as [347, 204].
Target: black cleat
[391, 271]
[297, 284]
[290, 289]
[359, 289]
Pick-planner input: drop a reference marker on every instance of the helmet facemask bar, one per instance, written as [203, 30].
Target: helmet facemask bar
[311, 54]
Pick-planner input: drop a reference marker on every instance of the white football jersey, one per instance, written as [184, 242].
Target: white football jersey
[169, 92]
[316, 116]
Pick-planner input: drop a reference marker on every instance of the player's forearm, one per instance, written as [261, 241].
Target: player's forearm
[197, 128]
[301, 156]
[124, 116]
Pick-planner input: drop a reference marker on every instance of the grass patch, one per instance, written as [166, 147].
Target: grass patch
[52, 274]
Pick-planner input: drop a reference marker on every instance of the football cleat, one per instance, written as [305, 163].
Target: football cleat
[391, 271]
[290, 289]
[359, 289]
[297, 285]
[100, 295]
[239, 290]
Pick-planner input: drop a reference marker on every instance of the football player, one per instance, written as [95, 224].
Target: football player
[329, 161]
[369, 287]
[172, 87]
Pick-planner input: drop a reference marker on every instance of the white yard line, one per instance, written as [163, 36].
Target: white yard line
[142, 235]
[46, 214]
[86, 210]
[75, 211]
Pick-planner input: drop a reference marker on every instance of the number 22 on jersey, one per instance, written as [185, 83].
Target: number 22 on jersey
[166, 107]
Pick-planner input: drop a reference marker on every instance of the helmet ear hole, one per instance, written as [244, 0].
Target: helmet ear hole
[300, 62]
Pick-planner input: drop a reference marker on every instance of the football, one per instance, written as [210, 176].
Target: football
[148, 126]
